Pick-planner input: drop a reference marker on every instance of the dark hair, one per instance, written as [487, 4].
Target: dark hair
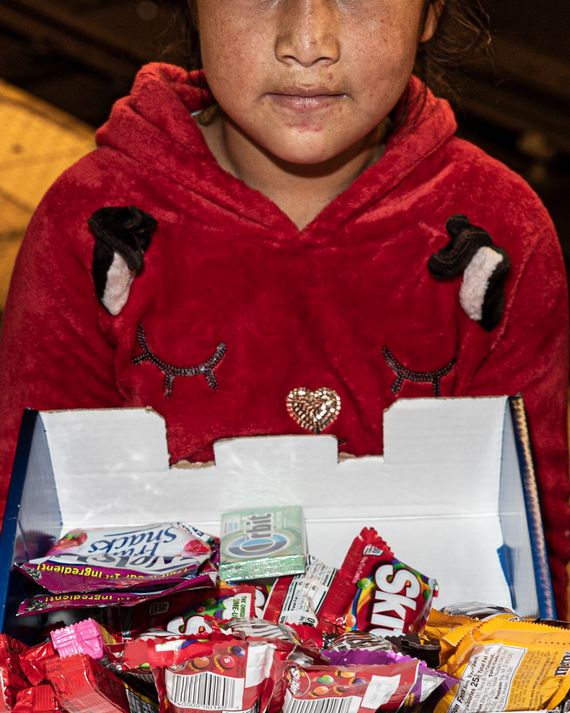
[461, 41]
[462, 38]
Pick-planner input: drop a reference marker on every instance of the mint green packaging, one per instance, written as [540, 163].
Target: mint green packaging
[262, 542]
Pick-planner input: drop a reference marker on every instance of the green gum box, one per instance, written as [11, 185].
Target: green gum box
[262, 542]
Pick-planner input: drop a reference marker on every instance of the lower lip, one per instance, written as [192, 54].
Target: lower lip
[306, 104]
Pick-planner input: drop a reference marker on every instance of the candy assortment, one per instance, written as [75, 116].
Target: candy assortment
[167, 633]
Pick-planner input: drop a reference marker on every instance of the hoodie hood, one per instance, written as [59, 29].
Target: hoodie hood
[154, 126]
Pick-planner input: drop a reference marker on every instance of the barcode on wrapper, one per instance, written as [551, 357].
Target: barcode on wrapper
[350, 704]
[207, 691]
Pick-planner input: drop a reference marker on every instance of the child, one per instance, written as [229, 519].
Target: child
[291, 247]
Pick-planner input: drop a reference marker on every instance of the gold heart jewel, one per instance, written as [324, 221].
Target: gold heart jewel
[313, 410]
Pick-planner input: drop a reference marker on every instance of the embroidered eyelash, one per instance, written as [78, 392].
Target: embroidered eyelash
[171, 372]
[419, 377]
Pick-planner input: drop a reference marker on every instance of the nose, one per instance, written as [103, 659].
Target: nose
[308, 33]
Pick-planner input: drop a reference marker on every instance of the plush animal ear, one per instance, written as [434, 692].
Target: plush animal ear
[122, 235]
[471, 252]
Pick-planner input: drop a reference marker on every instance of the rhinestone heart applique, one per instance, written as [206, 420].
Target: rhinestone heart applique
[313, 410]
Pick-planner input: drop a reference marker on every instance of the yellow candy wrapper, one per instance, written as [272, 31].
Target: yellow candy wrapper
[507, 666]
[449, 629]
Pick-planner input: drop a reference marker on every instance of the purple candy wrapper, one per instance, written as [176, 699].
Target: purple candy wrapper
[55, 602]
[122, 558]
[428, 680]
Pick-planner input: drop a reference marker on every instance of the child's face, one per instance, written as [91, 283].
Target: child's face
[306, 80]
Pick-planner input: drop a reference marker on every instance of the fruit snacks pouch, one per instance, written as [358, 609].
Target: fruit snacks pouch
[508, 665]
[349, 689]
[122, 558]
[42, 603]
[297, 600]
[217, 675]
[375, 592]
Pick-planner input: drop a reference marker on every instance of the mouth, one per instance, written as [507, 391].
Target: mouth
[306, 98]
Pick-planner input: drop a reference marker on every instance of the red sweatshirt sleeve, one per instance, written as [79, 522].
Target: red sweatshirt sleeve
[530, 356]
[52, 353]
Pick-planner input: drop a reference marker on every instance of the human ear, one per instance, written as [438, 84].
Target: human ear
[431, 19]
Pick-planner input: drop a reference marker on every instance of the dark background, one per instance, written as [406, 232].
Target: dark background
[81, 55]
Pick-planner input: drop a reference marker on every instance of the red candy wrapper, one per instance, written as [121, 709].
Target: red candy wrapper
[222, 605]
[427, 682]
[349, 689]
[311, 637]
[297, 600]
[33, 662]
[11, 676]
[91, 639]
[187, 612]
[39, 699]
[375, 592]
[219, 674]
[81, 684]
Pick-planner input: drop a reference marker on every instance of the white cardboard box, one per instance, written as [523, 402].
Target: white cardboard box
[454, 494]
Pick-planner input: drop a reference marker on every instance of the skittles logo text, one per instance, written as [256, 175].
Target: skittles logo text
[396, 593]
[387, 601]
[259, 539]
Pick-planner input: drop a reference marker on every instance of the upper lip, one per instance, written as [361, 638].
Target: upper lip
[313, 90]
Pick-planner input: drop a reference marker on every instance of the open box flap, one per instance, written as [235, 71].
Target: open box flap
[453, 445]
[85, 442]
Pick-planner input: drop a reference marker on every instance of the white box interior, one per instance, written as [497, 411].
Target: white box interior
[446, 495]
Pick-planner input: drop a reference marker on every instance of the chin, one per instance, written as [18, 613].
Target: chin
[305, 152]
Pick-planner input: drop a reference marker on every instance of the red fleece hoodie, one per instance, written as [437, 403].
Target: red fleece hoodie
[236, 307]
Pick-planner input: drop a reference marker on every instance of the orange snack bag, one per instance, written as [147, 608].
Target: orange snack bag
[507, 666]
[449, 629]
